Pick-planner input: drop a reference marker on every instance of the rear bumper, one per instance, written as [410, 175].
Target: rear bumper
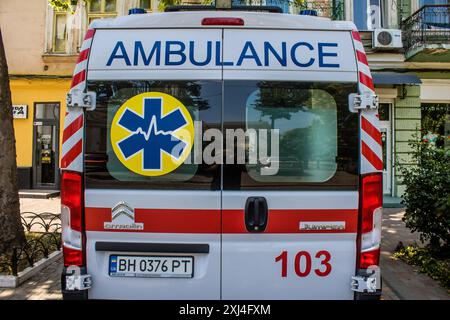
[72, 294]
[83, 294]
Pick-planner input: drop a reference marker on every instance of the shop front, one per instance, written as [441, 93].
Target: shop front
[39, 108]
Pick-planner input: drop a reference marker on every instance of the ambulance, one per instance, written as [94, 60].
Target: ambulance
[221, 154]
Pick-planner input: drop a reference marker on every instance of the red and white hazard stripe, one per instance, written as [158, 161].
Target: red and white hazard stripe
[72, 144]
[371, 150]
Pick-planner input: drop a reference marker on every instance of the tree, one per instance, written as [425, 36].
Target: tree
[11, 230]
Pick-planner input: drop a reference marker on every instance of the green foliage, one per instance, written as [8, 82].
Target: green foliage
[33, 249]
[427, 195]
[438, 269]
[165, 3]
[65, 5]
[62, 5]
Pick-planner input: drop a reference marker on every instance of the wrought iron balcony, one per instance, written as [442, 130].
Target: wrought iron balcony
[426, 34]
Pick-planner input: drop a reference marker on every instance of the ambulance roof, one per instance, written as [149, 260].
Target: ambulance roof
[193, 19]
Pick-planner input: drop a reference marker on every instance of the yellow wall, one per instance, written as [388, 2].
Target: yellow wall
[30, 91]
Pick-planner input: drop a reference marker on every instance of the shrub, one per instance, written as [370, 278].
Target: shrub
[427, 194]
[427, 263]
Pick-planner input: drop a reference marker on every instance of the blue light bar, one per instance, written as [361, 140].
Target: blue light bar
[136, 11]
[308, 13]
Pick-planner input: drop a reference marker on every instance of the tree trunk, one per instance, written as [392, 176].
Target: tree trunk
[11, 230]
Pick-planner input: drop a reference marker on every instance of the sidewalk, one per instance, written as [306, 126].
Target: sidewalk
[402, 278]
[52, 205]
[44, 286]
[47, 284]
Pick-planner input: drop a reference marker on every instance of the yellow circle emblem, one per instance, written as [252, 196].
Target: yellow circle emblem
[152, 133]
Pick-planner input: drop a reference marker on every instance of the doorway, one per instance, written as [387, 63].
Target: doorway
[386, 143]
[46, 145]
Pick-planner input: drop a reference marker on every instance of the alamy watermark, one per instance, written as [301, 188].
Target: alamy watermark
[250, 146]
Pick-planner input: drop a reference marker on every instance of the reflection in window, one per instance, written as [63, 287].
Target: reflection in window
[307, 124]
[436, 123]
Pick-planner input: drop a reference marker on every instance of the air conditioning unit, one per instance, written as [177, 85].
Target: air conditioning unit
[387, 38]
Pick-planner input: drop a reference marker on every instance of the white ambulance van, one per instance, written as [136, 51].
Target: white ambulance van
[221, 155]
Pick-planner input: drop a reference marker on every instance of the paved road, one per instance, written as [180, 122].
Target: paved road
[400, 281]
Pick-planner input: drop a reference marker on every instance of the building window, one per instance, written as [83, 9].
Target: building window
[333, 9]
[146, 4]
[99, 9]
[60, 32]
[436, 124]
[383, 111]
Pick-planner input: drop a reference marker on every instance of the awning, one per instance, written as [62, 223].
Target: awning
[380, 78]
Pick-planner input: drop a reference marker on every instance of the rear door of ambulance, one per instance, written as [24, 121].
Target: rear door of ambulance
[289, 219]
[152, 214]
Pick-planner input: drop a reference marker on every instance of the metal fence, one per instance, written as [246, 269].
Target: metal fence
[43, 236]
[428, 25]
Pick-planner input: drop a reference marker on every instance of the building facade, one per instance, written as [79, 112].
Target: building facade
[407, 43]
[42, 47]
[412, 80]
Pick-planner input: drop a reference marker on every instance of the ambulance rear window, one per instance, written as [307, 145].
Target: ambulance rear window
[310, 137]
[316, 143]
[104, 169]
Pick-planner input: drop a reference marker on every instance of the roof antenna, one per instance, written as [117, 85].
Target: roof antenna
[223, 4]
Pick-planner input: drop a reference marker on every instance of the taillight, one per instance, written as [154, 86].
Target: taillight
[72, 218]
[223, 21]
[371, 196]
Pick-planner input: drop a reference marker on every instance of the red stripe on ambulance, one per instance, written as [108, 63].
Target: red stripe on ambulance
[73, 153]
[89, 34]
[78, 78]
[160, 220]
[288, 221]
[83, 55]
[371, 130]
[209, 221]
[371, 156]
[72, 128]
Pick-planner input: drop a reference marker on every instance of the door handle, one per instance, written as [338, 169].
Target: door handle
[256, 214]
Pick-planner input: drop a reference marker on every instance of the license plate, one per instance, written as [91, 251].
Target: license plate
[151, 266]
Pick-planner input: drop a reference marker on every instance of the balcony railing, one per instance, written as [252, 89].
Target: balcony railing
[427, 26]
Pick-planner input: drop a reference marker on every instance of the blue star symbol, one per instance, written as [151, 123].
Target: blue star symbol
[152, 133]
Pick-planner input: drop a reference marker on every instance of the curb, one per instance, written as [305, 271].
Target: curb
[15, 281]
